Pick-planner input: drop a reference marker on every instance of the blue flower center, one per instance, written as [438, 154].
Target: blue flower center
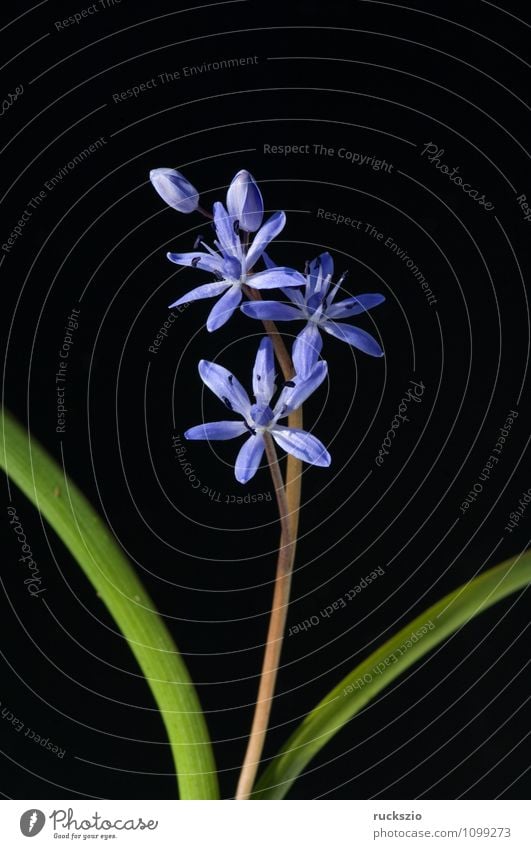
[232, 268]
[314, 302]
[261, 414]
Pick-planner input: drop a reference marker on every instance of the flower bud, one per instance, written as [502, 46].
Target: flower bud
[244, 202]
[174, 189]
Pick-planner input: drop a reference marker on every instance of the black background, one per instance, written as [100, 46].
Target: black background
[373, 78]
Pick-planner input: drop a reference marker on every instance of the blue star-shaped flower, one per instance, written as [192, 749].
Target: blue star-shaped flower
[260, 418]
[232, 264]
[316, 306]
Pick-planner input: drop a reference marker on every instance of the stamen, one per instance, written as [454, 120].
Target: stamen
[195, 261]
[236, 226]
[290, 383]
[227, 402]
[198, 241]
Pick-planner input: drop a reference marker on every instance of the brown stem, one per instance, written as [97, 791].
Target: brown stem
[275, 634]
[288, 499]
[294, 466]
[270, 327]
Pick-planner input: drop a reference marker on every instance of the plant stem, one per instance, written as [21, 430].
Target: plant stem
[294, 466]
[281, 352]
[288, 499]
[275, 635]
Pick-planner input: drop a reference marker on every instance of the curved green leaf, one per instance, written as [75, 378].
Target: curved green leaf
[116, 583]
[384, 665]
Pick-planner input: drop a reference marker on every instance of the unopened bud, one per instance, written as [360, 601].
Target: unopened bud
[244, 202]
[174, 189]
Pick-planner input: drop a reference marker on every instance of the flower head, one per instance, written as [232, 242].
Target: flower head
[232, 264]
[316, 306]
[260, 418]
[174, 189]
[244, 202]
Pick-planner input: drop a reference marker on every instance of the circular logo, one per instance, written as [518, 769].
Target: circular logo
[31, 822]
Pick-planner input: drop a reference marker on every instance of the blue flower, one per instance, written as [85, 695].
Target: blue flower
[244, 202]
[260, 418]
[174, 189]
[316, 306]
[232, 264]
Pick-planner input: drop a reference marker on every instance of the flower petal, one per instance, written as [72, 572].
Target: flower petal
[227, 388]
[244, 202]
[295, 296]
[216, 430]
[268, 262]
[327, 264]
[297, 390]
[302, 445]
[266, 233]
[225, 230]
[276, 278]
[354, 336]
[249, 457]
[354, 306]
[272, 310]
[207, 290]
[224, 308]
[198, 259]
[306, 349]
[321, 268]
[264, 372]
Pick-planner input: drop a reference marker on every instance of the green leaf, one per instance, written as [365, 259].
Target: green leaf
[117, 585]
[384, 665]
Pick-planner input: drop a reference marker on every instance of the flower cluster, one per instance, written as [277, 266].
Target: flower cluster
[308, 297]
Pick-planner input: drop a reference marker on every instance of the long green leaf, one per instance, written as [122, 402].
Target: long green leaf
[112, 576]
[384, 665]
